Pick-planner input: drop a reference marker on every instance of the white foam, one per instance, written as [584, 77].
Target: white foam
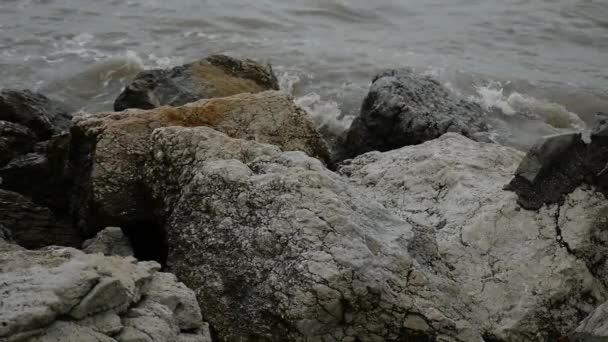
[326, 114]
[493, 96]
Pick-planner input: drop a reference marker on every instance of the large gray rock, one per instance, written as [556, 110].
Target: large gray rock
[531, 275]
[113, 148]
[215, 76]
[62, 294]
[558, 164]
[406, 108]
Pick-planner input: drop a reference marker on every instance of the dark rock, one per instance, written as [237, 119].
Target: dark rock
[405, 108]
[559, 164]
[34, 226]
[14, 140]
[42, 175]
[40, 114]
[215, 76]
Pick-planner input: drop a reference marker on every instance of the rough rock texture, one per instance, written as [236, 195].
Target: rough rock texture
[113, 147]
[283, 249]
[110, 241]
[594, 328]
[43, 175]
[61, 294]
[43, 116]
[14, 140]
[215, 76]
[34, 226]
[405, 108]
[559, 164]
[531, 275]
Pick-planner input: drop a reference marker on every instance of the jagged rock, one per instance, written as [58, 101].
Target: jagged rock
[62, 294]
[35, 226]
[558, 164]
[42, 175]
[113, 147]
[35, 111]
[531, 275]
[594, 328]
[406, 108]
[14, 140]
[110, 241]
[215, 76]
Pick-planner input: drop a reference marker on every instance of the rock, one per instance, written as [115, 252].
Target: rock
[110, 241]
[559, 164]
[594, 328]
[14, 140]
[280, 248]
[166, 290]
[34, 226]
[71, 332]
[62, 294]
[215, 76]
[42, 175]
[35, 111]
[405, 108]
[110, 149]
[531, 275]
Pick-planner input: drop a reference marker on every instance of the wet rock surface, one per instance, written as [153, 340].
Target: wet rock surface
[558, 164]
[406, 108]
[215, 76]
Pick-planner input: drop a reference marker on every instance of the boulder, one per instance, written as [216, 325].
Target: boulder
[282, 249]
[62, 294]
[35, 111]
[531, 275]
[215, 76]
[35, 226]
[558, 164]
[406, 108]
[110, 149]
[14, 140]
[594, 328]
[110, 241]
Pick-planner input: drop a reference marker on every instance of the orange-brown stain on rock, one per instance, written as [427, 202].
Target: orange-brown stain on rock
[218, 83]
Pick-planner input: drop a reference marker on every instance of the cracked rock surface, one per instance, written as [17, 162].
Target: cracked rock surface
[113, 147]
[214, 76]
[532, 275]
[61, 294]
[403, 108]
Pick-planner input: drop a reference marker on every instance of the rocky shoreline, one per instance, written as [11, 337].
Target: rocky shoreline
[412, 227]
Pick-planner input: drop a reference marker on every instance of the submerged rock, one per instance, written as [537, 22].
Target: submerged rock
[62, 294]
[113, 147]
[559, 164]
[215, 76]
[405, 108]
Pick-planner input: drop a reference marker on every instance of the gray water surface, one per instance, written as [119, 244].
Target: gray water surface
[543, 57]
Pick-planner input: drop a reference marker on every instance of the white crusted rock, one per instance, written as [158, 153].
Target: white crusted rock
[110, 241]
